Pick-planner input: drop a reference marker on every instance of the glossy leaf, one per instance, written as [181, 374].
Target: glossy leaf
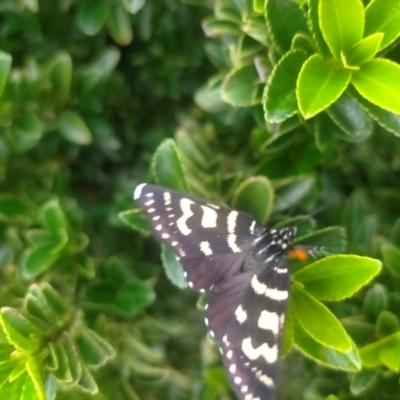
[342, 23]
[383, 16]
[364, 50]
[328, 356]
[167, 167]
[173, 268]
[34, 368]
[328, 240]
[53, 217]
[241, 87]
[284, 18]
[280, 100]
[350, 117]
[133, 6]
[336, 277]
[255, 197]
[379, 82]
[73, 128]
[318, 321]
[319, 85]
[388, 120]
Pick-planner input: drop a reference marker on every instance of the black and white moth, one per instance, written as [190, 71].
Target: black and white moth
[242, 266]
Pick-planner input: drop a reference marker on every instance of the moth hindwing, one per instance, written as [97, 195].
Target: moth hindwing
[242, 265]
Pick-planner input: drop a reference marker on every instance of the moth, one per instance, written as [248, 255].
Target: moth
[242, 266]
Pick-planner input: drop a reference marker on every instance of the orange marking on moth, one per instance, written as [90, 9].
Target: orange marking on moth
[298, 254]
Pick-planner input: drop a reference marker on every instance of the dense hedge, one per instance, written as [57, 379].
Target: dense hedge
[275, 108]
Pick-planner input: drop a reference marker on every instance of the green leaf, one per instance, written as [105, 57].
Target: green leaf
[87, 383]
[258, 6]
[133, 6]
[353, 213]
[289, 191]
[388, 120]
[351, 118]
[364, 50]
[288, 339]
[255, 196]
[241, 87]
[391, 258]
[319, 85]
[284, 18]
[342, 23]
[280, 100]
[92, 16]
[347, 361]
[134, 297]
[27, 131]
[325, 131]
[386, 324]
[360, 331]
[362, 381]
[136, 220]
[167, 167]
[375, 301]
[379, 82]
[53, 217]
[208, 96]
[12, 207]
[313, 19]
[383, 16]
[73, 128]
[385, 351]
[5, 66]
[18, 330]
[119, 25]
[336, 277]
[318, 321]
[62, 372]
[90, 351]
[330, 240]
[35, 371]
[173, 268]
[61, 74]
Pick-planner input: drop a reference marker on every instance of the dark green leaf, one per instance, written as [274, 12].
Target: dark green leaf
[328, 240]
[391, 258]
[362, 381]
[255, 197]
[173, 268]
[386, 324]
[119, 25]
[5, 66]
[280, 100]
[313, 20]
[375, 301]
[136, 220]
[73, 128]
[92, 16]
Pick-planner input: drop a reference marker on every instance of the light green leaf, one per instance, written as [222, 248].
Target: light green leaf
[347, 361]
[133, 6]
[363, 51]
[255, 197]
[280, 100]
[73, 128]
[379, 82]
[258, 6]
[318, 321]
[383, 16]
[136, 220]
[53, 217]
[167, 167]
[241, 87]
[284, 18]
[35, 370]
[173, 268]
[319, 85]
[87, 382]
[342, 23]
[336, 277]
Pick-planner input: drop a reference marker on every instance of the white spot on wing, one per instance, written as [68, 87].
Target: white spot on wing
[165, 236]
[237, 380]
[280, 270]
[205, 248]
[167, 198]
[232, 221]
[229, 354]
[270, 354]
[244, 389]
[232, 368]
[266, 380]
[241, 315]
[261, 288]
[269, 320]
[187, 213]
[138, 190]
[253, 224]
[158, 228]
[232, 243]
[149, 203]
[209, 219]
